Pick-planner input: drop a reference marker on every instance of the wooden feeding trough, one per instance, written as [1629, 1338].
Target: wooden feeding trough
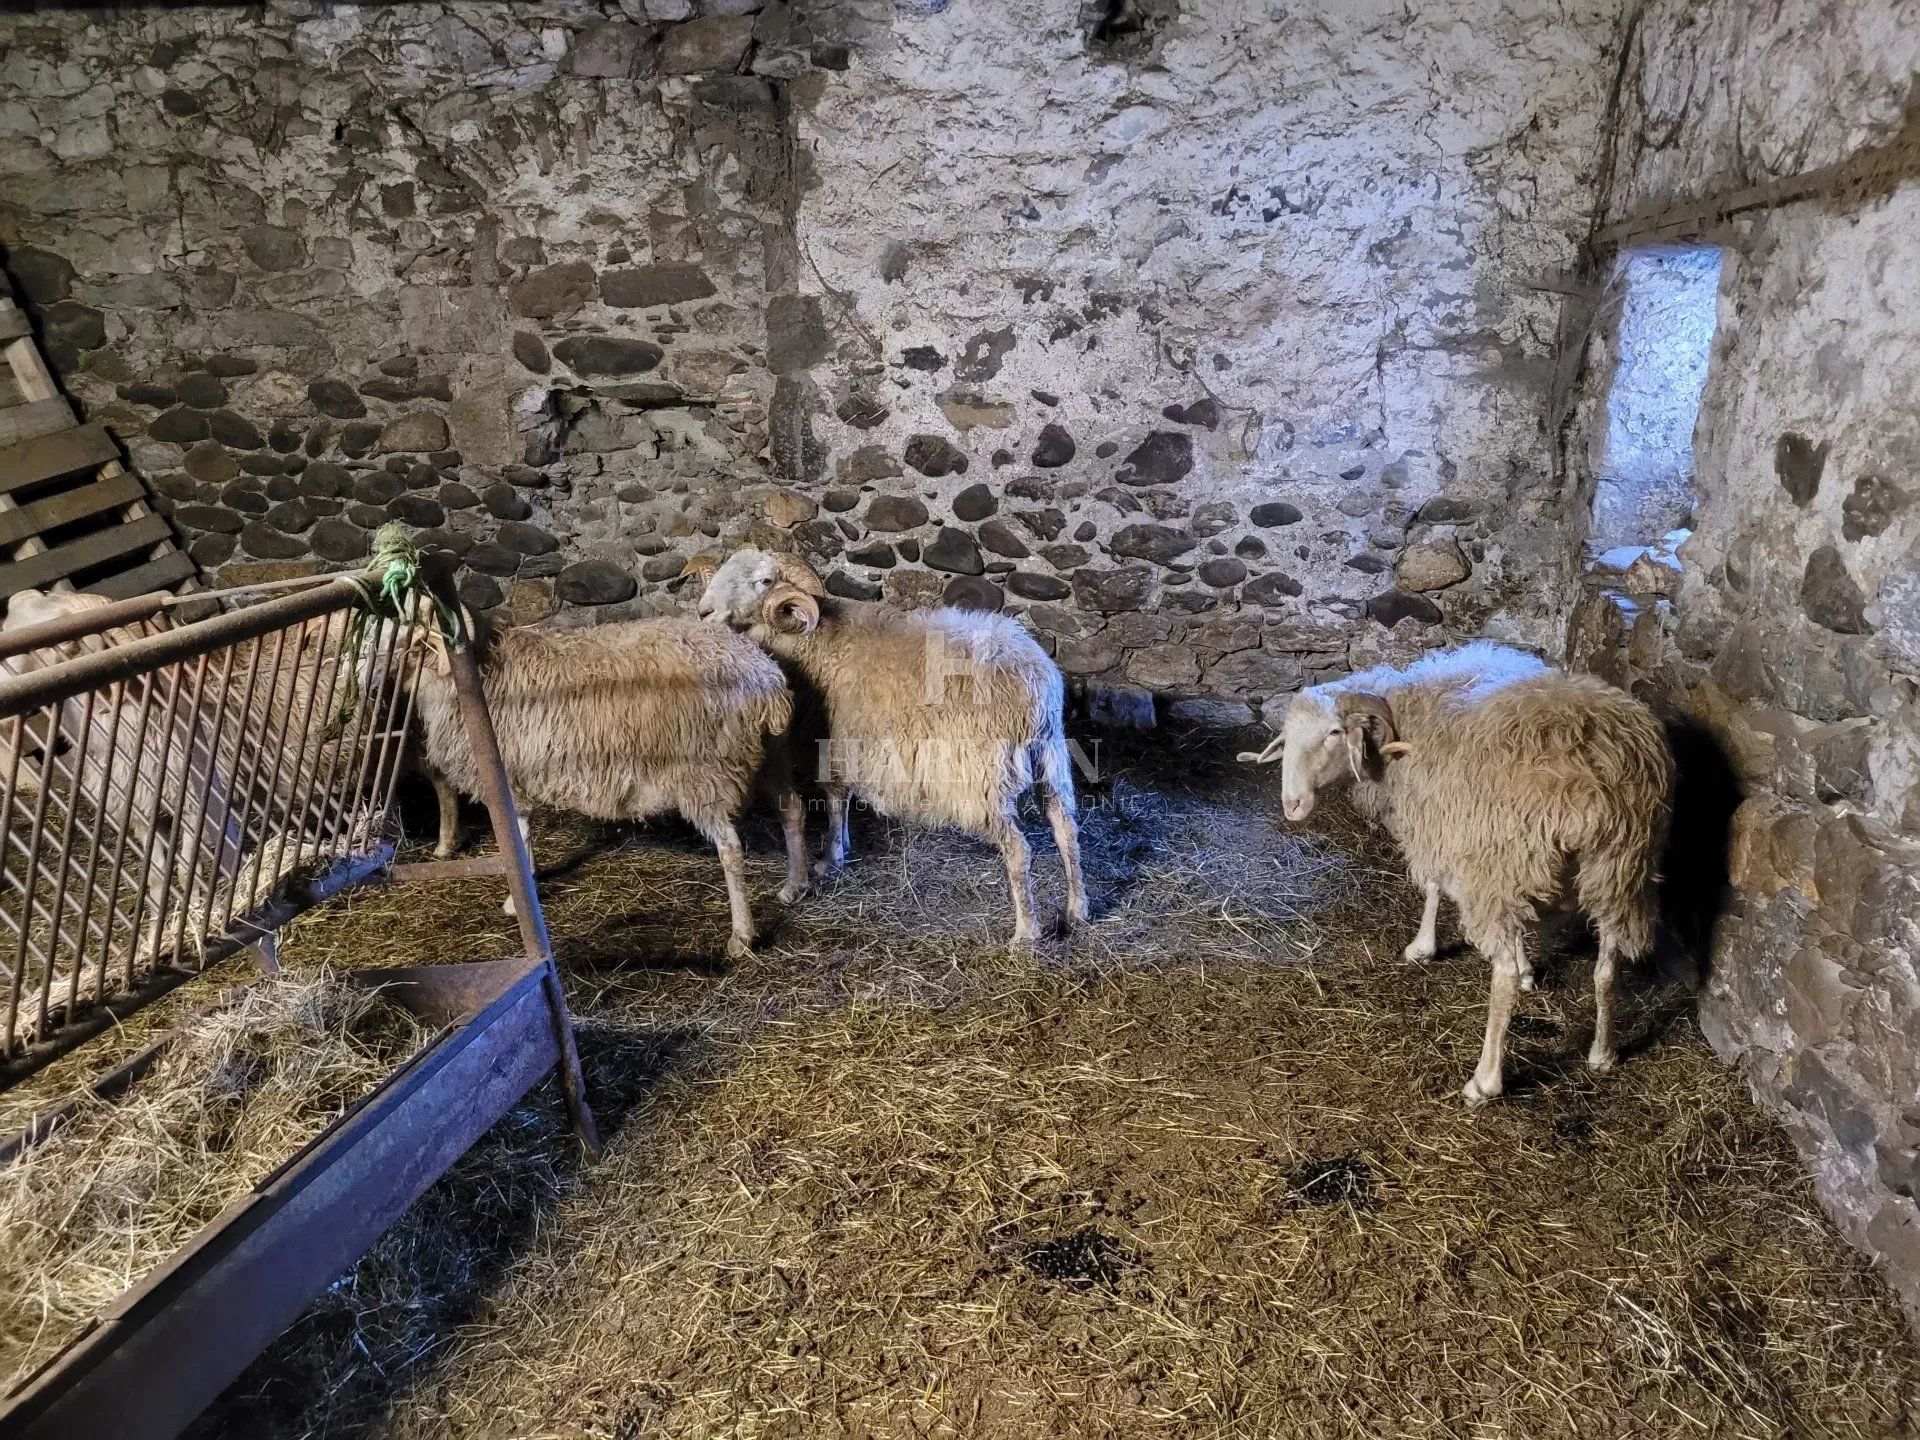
[169, 797]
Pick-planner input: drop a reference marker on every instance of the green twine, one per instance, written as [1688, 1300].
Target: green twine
[390, 589]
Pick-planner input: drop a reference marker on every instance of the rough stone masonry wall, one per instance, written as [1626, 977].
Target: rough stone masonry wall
[1794, 636]
[496, 271]
[1213, 337]
[1216, 340]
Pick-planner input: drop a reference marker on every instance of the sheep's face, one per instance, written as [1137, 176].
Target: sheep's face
[752, 589]
[734, 594]
[1315, 753]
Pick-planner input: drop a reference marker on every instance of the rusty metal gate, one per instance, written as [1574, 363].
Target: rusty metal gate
[169, 797]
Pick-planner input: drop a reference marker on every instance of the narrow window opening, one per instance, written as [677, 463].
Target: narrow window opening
[1643, 496]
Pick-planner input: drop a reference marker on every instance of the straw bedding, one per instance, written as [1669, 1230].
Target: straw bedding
[1202, 1172]
[124, 1182]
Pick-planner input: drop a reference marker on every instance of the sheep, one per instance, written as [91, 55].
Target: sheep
[165, 768]
[627, 721]
[940, 716]
[1498, 777]
[1471, 670]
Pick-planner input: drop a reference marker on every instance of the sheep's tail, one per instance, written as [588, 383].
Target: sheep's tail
[1055, 765]
[1619, 868]
[779, 712]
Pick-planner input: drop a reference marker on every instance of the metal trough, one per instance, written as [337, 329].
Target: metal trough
[255, 813]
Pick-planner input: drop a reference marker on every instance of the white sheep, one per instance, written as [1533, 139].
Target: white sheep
[151, 769]
[1499, 778]
[942, 716]
[627, 721]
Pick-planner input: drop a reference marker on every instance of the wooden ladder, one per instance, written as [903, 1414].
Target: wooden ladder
[71, 515]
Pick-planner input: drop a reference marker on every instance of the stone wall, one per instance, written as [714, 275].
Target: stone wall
[1213, 338]
[499, 272]
[1792, 636]
[1216, 340]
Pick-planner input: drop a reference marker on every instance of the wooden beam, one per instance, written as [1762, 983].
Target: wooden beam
[58, 563]
[53, 511]
[30, 369]
[41, 417]
[166, 570]
[49, 456]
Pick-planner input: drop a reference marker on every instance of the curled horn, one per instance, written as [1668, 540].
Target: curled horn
[797, 573]
[1371, 736]
[701, 567]
[790, 610]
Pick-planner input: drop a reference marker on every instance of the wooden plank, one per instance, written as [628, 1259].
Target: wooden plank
[13, 324]
[30, 369]
[1692, 217]
[468, 869]
[48, 456]
[76, 555]
[163, 572]
[42, 417]
[69, 505]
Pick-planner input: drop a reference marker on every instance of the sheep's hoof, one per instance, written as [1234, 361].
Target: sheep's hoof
[1025, 938]
[739, 947]
[1527, 981]
[443, 852]
[826, 869]
[1417, 954]
[1477, 1095]
[790, 893]
[1601, 1061]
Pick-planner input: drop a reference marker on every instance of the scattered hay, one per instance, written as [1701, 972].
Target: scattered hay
[123, 1183]
[1223, 1123]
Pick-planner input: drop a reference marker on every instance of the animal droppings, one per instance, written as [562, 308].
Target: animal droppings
[1085, 1258]
[1344, 1180]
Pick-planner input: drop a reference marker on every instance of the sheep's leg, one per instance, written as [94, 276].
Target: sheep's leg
[1601, 1056]
[1423, 946]
[793, 824]
[1013, 849]
[449, 801]
[1486, 1081]
[836, 851]
[1066, 834]
[526, 832]
[733, 865]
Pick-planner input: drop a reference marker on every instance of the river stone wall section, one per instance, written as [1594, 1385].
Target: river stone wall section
[1791, 636]
[498, 272]
[1214, 339]
[1217, 341]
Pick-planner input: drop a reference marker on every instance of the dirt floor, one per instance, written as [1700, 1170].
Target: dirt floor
[1201, 1172]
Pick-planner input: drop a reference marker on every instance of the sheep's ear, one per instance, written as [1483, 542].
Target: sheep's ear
[1367, 724]
[796, 572]
[790, 610]
[701, 568]
[1362, 758]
